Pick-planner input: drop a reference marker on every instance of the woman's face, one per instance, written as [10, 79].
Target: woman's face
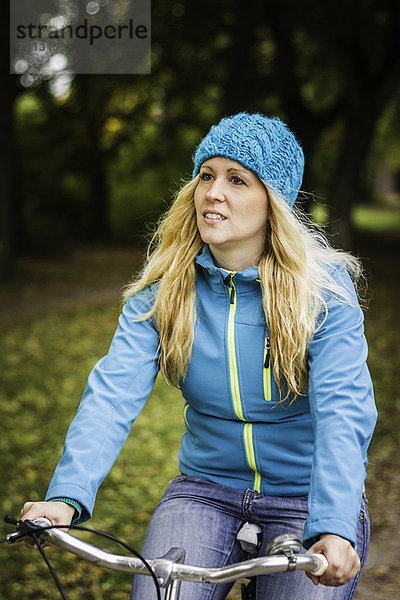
[232, 211]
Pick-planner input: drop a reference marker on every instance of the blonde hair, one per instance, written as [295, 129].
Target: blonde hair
[176, 243]
[293, 274]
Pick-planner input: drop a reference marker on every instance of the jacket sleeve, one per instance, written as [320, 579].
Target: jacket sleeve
[343, 414]
[116, 392]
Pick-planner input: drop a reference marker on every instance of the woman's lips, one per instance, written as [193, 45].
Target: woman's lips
[213, 217]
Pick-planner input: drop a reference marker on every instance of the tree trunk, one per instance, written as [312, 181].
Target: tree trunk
[8, 201]
[91, 102]
[360, 122]
[345, 185]
[100, 222]
[241, 90]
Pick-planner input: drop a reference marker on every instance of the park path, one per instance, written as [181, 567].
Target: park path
[41, 304]
[380, 579]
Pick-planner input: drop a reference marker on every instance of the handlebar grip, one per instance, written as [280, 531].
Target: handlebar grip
[321, 567]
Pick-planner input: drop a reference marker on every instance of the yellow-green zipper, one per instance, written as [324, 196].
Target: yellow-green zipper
[232, 351]
[248, 427]
[267, 370]
[251, 459]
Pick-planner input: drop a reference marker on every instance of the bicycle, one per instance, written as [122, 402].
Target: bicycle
[169, 570]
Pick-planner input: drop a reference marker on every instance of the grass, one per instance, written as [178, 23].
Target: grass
[44, 363]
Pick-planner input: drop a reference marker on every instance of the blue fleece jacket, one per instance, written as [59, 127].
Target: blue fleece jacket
[236, 433]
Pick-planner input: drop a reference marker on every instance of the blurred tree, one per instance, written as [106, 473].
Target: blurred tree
[87, 112]
[327, 67]
[69, 146]
[360, 43]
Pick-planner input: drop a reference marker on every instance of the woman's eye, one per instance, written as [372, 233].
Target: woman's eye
[237, 180]
[205, 176]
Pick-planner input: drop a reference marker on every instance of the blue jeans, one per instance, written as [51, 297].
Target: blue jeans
[204, 518]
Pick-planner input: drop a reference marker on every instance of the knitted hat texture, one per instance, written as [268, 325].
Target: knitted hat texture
[263, 145]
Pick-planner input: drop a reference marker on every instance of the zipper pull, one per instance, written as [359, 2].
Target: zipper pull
[228, 282]
[232, 296]
[268, 354]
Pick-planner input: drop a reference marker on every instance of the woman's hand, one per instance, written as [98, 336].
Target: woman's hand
[343, 560]
[58, 513]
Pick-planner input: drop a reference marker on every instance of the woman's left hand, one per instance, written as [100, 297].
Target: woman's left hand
[343, 560]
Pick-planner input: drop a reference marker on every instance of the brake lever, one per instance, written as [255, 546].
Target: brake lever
[24, 529]
[15, 535]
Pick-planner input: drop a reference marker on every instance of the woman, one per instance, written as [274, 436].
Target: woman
[256, 319]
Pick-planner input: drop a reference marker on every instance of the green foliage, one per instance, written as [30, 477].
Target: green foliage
[137, 201]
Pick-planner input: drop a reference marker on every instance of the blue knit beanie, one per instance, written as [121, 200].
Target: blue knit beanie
[263, 145]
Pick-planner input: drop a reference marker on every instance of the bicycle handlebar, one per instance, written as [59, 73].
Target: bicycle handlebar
[171, 567]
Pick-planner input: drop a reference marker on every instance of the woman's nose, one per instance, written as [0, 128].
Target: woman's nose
[215, 192]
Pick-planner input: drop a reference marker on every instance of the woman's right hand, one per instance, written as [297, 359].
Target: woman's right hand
[58, 513]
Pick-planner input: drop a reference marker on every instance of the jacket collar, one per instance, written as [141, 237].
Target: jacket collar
[246, 280]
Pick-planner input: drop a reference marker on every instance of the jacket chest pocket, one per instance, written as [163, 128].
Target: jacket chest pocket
[267, 369]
